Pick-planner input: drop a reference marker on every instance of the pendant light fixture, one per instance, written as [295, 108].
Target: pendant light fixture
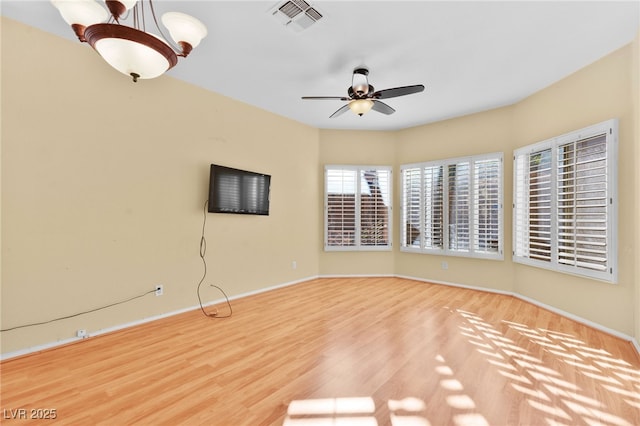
[130, 49]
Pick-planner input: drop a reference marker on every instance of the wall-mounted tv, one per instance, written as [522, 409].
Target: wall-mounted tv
[238, 191]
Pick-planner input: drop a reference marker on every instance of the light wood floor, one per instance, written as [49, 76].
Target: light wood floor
[362, 351]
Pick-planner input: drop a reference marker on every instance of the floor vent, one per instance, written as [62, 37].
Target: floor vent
[296, 14]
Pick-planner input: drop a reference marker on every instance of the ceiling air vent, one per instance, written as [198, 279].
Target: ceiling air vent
[296, 14]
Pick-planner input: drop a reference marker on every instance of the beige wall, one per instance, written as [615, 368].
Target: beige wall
[104, 181]
[482, 133]
[596, 93]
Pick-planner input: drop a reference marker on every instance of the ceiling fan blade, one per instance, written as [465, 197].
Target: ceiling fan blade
[397, 91]
[382, 107]
[329, 98]
[340, 111]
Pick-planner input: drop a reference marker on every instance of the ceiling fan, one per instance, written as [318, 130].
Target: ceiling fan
[362, 97]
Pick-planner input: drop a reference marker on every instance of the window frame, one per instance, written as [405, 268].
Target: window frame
[520, 252]
[473, 237]
[358, 245]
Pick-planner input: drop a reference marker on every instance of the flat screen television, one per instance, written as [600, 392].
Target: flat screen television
[238, 191]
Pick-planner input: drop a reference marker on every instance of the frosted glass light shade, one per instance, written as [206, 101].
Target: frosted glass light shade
[184, 28]
[130, 51]
[361, 106]
[81, 12]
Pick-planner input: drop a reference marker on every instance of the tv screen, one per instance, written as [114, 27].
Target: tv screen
[238, 191]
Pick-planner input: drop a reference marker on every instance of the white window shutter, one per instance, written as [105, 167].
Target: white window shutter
[459, 191]
[487, 205]
[564, 203]
[341, 207]
[374, 207]
[582, 203]
[520, 206]
[540, 205]
[357, 208]
[411, 208]
[434, 207]
[454, 206]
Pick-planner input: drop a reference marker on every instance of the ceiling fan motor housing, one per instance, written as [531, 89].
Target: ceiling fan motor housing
[360, 86]
[360, 94]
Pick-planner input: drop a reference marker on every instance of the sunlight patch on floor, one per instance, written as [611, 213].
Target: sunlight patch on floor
[331, 406]
[354, 411]
[537, 394]
[458, 400]
[331, 421]
[560, 400]
[549, 409]
[592, 415]
[451, 384]
[357, 411]
[470, 420]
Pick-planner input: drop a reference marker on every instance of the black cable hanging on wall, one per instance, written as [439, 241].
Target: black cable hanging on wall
[203, 251]
[79, 313]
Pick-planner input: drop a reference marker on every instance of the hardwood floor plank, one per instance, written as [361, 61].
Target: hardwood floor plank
[430, 354]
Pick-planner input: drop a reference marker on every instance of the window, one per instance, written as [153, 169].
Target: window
[564, 204]
[357, 208]
[453, 207]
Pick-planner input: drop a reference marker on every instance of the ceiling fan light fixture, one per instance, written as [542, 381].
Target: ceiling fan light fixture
[131, 49]
[362, 97]
[361, 106]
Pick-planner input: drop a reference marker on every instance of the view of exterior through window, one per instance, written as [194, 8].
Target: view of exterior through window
[357, 208]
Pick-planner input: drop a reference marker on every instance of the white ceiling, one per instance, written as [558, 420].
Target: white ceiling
[471, 56]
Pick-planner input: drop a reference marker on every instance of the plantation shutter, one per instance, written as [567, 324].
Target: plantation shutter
[458, 201]
[341, 207]
[582, 203]
[357, 208]
[540, 205]
[454, 206]
[564, 203]
[374, 207]
[486, 205]
[433, 207]
[411, 207]
[521, 206]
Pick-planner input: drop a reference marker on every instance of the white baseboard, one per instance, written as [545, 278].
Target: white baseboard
[589, 323]
[358, 276]
[50, 345]
[450, 284]
[535, 302]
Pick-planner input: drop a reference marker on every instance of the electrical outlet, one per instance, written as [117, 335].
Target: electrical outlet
[294, 265]
[159, 290]
[444, 265]
[81, 334]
